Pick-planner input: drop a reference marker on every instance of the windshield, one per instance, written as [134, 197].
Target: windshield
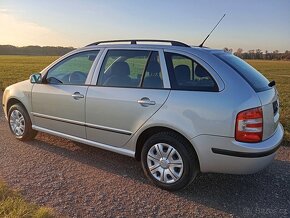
[250, 74]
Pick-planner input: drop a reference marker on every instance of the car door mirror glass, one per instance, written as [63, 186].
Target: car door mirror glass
[35, 78]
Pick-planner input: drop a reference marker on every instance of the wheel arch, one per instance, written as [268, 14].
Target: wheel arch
[153, 130]
[13, 101]
[28, 132]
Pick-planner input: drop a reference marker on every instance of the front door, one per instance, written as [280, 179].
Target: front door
[58, 104]
[129, 90]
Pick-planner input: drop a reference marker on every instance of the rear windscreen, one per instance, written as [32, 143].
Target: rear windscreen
[250, 74]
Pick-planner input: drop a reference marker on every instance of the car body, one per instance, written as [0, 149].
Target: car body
[199, 96]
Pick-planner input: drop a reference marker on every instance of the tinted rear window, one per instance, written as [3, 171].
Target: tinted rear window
[250, 74]
[187, 74]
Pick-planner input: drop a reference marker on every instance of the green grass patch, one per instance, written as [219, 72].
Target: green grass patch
[13, 205]
[280, 72]
[14, 68]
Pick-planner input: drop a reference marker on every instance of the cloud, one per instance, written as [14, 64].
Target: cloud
[3, 10]
[20, 32]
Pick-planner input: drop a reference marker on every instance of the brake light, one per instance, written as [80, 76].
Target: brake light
[249, 125]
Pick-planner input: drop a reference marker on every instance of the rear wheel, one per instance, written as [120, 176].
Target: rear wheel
[169, 161]
[20, 123]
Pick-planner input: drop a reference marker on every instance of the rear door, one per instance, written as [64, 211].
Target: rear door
[130, 87]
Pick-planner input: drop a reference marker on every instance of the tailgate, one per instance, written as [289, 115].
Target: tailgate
[270, 104]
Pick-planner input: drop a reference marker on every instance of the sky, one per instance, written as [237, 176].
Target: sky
[248, 24]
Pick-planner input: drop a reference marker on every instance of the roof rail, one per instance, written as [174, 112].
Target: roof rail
[134, 41]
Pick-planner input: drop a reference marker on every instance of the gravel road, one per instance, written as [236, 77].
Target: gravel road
[81, 181]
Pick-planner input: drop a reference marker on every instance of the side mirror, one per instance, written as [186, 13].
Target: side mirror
[35, 78]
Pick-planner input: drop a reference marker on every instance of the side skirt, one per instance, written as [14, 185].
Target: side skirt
[88, 142]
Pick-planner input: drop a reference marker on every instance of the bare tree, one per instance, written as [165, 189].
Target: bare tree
[239, 52]
[251, 53]
[259, 54]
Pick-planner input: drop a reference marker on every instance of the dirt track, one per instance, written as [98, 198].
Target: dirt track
[81, 181]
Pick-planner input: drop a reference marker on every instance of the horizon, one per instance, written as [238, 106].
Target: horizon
[233, 51]
[248, 25]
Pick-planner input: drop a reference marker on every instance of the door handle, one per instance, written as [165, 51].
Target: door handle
[145, 102]
[77, 95]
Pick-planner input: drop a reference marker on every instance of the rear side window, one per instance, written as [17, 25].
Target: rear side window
[187, 74]
[251, 75]
[131, 68]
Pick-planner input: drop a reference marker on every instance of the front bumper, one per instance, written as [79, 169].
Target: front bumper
[226, 155]
[4, 110]
[3, 103]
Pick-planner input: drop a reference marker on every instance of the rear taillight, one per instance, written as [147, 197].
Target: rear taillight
[249, 125]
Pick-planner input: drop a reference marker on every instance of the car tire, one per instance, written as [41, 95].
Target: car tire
[169, 161]
[20, 123]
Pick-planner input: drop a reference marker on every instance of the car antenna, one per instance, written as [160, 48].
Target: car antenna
[201, 45]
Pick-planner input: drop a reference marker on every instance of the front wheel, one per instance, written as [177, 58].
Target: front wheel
[20, 123]
[169, 161]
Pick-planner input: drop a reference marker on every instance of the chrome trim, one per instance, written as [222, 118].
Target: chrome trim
[89, 125]
[145, 102]
[88, 142]
[77, 96]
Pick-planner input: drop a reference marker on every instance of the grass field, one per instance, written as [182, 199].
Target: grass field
[17, 68]
[280, 72]
[13, 205]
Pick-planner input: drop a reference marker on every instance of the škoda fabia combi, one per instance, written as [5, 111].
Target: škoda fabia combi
[180, 110]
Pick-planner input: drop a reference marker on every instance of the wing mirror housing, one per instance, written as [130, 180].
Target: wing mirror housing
[35, 78]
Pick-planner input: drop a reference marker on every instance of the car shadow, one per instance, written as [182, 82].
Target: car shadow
[85, 154]
[264, 194]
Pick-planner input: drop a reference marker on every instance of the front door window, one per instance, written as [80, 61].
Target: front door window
[72, 70]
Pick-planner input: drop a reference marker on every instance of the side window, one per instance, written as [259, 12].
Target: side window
[72, 70]
[187, 74]
[153, 75]
[131, 68]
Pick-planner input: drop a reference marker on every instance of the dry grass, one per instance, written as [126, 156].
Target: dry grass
[280, 72]
[13, 205]
[14, 68]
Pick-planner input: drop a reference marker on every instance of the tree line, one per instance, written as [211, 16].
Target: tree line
[34, 50]
[58, 51]
[259, 54]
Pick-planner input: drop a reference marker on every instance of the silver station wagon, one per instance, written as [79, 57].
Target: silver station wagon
[180, 110]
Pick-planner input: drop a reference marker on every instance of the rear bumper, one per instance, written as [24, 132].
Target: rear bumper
[225, 155]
